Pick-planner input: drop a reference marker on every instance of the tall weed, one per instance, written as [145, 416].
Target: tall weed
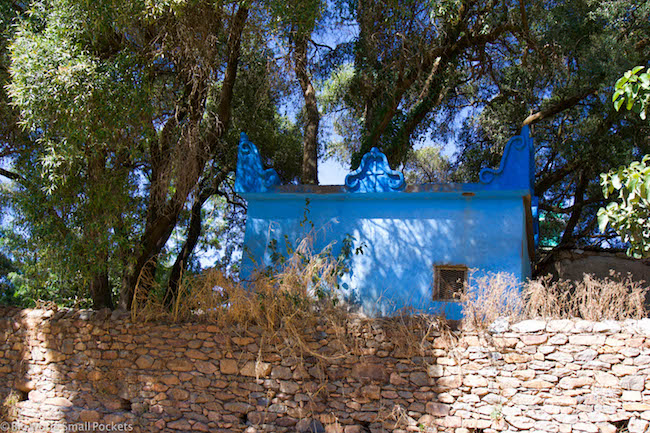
[492, 296]
[611, 298]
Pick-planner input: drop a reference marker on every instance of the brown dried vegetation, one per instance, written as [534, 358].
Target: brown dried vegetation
[492, 296]
[291, 299]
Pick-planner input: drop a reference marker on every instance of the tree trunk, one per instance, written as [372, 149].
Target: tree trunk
[152, 242]
[96, 231]
[193, 234]
[100, 291]
[162, 218]
[180, 265]
[568, 239]
[310, 141]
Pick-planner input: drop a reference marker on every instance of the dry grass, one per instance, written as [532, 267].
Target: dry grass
[489, 297]
[501, 295]
[301, 287]
[299, 295]
[546, 298]
[412, 332]
[8, 407]
[613, 298]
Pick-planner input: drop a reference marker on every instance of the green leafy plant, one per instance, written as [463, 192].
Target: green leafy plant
[633, 90]
[630, 214]
[497, 412]
[630, 185]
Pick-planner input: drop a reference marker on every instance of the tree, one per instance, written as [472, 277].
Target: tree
[256, 98]
[120, 138]
[630, 216]
[544, 64]
[555, 76]
[131, 105]
[406, 61]
[10, 131]
[427, 165]
[295, 21]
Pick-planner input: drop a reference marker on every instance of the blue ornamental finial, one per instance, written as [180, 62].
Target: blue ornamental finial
[251, 176]
[517, 167]
[374, 175]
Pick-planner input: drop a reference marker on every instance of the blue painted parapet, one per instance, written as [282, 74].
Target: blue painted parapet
[517, 168]
[251, 176]
[374, 175]
[414, 237]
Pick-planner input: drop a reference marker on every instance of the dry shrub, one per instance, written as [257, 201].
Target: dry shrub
[411, 331]
[8, 407]
[489, 297]
[494, 296]
[297, 296]
[545, 298]
[612, 298]
[293, 297]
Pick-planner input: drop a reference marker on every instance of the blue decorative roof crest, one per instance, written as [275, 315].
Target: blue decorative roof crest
[517, 168]
[374, 175]
[251, 176]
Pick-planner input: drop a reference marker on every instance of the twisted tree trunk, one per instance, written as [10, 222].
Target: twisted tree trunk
[310, 139]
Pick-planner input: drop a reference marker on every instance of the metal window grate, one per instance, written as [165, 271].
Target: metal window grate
[449, 282]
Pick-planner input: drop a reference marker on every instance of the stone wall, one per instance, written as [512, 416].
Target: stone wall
[574, 264]
[539, 376]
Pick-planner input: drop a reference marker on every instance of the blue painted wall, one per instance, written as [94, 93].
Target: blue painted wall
[405, 230]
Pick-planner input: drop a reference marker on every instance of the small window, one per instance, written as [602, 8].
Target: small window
[449, 282]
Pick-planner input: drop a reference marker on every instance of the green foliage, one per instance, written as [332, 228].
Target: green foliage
[559, 78]
[630, 215]
[95, 84]
[8, 295]
[427, 165]
[633, 90]
[111, 117]
[260, 90]
[84, 103]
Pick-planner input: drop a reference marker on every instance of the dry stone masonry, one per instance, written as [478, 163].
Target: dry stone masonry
[568, 376]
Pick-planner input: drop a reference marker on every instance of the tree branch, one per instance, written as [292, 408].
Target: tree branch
[317, 45]
[11, 175]
[560, 106]
[568, 210]
[234, 45]
[551, 179]
[581, 186]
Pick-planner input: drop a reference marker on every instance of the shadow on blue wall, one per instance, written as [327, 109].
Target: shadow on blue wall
[404, 230]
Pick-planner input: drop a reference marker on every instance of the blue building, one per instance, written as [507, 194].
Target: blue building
[419, 241]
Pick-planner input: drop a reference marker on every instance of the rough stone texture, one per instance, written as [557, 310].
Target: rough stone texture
[575, 264]
[535, 376]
